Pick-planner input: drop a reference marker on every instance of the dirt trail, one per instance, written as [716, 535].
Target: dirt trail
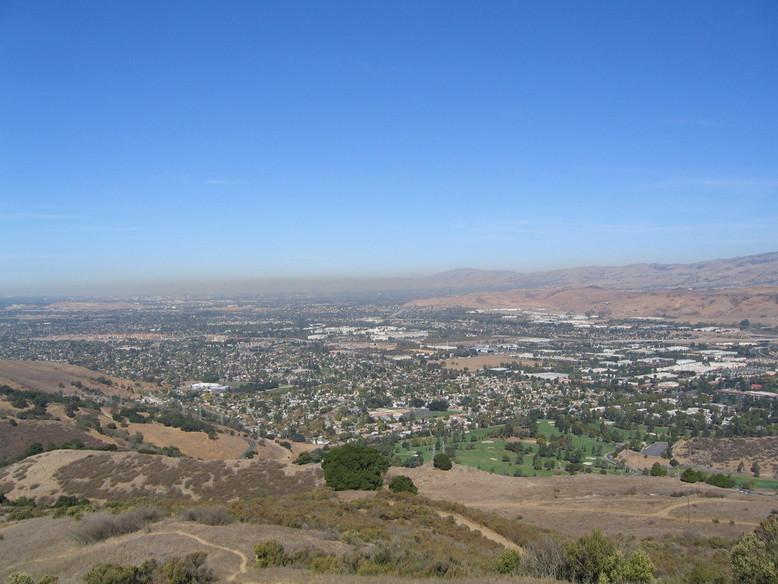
[485, 531]
[664, 512]
[244, 561]
[242, 568]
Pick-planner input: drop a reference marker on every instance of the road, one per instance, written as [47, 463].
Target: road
[655, 449]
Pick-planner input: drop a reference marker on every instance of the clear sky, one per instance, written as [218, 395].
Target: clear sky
[153, 140]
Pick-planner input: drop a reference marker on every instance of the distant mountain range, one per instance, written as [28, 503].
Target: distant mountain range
[750, 271]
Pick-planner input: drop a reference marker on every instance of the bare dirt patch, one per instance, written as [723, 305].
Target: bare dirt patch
[481, 361]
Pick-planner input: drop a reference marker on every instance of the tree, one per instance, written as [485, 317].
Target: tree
[354, 466]
[437, 405]
[756, 469]
[754, 557]
[657, 470]
[442, 461]
[402, 484]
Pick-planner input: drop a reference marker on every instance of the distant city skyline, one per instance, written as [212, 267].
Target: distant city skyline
[176, 142]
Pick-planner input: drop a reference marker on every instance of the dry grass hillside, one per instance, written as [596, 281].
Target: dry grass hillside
[627, 505]
[51, 377]
[722, 306]
[124, 476]
[729, 453]
[194, 444]
[14, 439]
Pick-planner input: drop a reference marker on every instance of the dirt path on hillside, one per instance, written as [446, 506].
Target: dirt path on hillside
[485, 531]
[664, 512]
[79, 550]
[244, 561]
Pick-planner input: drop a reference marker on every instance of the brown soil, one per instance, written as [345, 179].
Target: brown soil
[481, 361]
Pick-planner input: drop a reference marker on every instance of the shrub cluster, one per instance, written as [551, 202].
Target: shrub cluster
[190, 569]
[100, 526]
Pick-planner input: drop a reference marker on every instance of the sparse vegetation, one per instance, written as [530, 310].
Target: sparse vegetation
[102, 525]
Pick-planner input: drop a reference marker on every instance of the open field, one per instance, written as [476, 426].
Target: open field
[481, 361]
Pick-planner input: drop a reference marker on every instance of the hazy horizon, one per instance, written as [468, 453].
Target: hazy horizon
[183, 142]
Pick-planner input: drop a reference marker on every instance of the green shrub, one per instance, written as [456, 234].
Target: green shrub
[269, 553]
[326, 565]
[754, 557]
[118, 574]
[442, 461]
[593, 558]
[509, 562]
[402, 484]
[637, 568]
[354, 466]
[19, 578]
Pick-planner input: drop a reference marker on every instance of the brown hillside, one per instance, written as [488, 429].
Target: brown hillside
[125, 476]
[47, 376]
[15, 439]
[726, 454]
[194, 444]
[721, 306]
[628, 505]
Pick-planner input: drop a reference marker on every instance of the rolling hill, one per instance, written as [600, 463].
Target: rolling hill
[726, 306]
[750, 271]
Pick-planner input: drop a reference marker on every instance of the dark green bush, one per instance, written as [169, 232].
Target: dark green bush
[402, 484]
[442, 461]
[354, 466]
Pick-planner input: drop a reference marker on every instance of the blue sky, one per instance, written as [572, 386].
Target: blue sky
[146, 140]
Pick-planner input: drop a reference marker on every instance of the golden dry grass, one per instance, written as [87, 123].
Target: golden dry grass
[194, 444]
